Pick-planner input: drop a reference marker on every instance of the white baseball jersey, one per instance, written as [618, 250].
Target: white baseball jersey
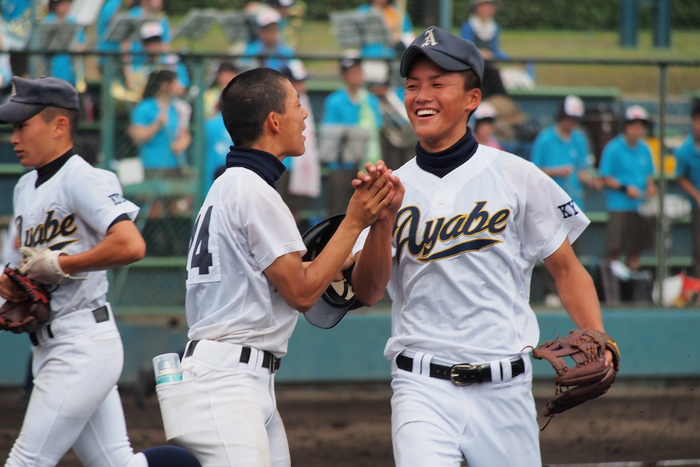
[71, 212]
[464, 249]
[242, 227]
[76, 360]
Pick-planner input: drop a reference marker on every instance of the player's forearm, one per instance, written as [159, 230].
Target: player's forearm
[122, 245]
[578, 295]
[373, 266]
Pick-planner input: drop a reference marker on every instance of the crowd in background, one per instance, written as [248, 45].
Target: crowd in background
[363, 121]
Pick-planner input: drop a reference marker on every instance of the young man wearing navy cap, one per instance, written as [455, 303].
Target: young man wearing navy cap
[72, 225]
[456, 254]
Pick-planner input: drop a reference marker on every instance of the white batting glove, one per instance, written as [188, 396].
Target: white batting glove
[42, 265]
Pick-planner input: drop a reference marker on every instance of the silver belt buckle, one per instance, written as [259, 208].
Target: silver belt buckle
[454, 373]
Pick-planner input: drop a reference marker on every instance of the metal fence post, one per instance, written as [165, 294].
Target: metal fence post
[445, 15]
[108, 111]
[663, 225]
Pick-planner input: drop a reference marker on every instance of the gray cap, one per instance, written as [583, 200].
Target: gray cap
[447, 51]
[31, 96]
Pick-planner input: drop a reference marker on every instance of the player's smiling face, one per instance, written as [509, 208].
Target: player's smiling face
[437, 104]
[33, 141]
[292, 123]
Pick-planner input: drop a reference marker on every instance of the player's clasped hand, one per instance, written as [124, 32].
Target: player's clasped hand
[374, 173]
[371, 197]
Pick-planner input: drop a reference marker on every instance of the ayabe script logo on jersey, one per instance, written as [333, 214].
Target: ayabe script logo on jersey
[442, 230]
[51, 230]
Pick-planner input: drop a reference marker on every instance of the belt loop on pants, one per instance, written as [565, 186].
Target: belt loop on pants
[461, 374]
[269, 361]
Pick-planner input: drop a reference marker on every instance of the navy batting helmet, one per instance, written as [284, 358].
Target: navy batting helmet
[339, 297]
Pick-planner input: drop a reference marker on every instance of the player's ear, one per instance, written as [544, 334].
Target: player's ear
[61, 126]
[472, 99]
[272, 122]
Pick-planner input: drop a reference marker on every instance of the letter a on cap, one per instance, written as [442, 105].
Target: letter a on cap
[429, 39]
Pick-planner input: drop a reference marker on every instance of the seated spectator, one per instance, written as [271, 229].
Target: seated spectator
[152, 9]
[628, 173]
[225, 72]
[61, 65]
[483, 31]
[137, 73]
[269, 45]
[562, 152]
[401, 35]
[351, 106]
[302, 180]
[485, 125]
[688, 172]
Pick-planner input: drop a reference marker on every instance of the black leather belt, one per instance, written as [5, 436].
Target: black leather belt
[269, 361]
[101, 315]
[462, 374]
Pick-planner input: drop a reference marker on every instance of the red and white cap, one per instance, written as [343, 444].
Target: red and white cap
[573, 107]
[267, 17]
[636, 112]
[484, 111]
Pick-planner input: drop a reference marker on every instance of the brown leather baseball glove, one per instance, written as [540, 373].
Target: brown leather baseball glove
[28, 315]
[589, 377]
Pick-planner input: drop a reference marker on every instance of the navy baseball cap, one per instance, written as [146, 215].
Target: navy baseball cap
[447, 51]
[31, 96]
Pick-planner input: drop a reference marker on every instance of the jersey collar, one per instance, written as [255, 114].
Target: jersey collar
[45, 172]
[267, 166]
[443, 162]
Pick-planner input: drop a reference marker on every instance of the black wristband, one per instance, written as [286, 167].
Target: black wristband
[623, 188]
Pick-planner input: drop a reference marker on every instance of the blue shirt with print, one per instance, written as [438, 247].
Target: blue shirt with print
[156, 152]
[688, 164]
[550, 151]
[107, 13]
[629, 166]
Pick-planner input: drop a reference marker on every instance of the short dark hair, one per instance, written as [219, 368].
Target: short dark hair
[247, 101]
[50, 113]
[155, 79]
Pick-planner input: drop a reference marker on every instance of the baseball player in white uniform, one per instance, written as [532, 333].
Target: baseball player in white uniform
[246, 282]
[72, 223]
[457, 254]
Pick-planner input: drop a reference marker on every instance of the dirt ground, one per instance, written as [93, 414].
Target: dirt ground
[348, 426]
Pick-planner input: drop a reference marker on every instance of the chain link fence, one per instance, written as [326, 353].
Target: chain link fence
[116, 102]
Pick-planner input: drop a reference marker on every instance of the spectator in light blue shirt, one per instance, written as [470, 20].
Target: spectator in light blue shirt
[351, 106]
[688, 172]
[155, 126]
[275, 54]
[108, 12]
[627, 169]
[61, 65]
[561, 151]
